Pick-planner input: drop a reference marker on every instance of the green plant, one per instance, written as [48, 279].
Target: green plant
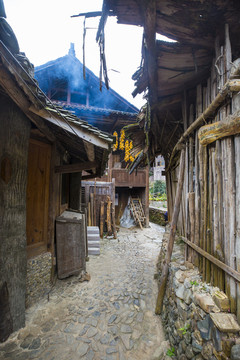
[184, 329]
[194, 282]
[157, 188]
[171, 352]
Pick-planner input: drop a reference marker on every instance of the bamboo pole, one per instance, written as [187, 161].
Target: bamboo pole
[166, 262]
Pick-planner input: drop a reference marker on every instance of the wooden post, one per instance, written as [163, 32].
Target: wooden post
[95, 204]
[237, 161]
[89, 214]
[165, 265]
[191, 199]
[92, 208]
[109, 226]
[101, 219]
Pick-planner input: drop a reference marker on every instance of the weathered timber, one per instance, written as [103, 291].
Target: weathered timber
[230, 86]
[191, 199]
[233, 273]
[231, 215]
[101, 219]
[92, 208]
[166, 262]
[17, 95]
[237, 161]
[109, 226]
[74, 168]
[14, 138]
[230, 126]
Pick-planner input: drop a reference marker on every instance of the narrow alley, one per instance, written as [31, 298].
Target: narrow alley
[111, 317]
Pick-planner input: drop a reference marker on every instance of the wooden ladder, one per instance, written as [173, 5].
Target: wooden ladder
[137, 211]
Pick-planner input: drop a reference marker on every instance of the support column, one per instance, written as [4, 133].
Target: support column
[14, 139]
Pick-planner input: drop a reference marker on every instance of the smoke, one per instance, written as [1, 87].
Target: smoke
[64, 75]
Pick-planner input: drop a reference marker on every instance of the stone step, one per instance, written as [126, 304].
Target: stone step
[93, 251]
[93, 244]
[93, 238]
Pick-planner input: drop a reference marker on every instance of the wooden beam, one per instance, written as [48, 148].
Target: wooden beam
[16, 94]
[218, 130]
[230, 87]
[89, 150]
[150, 47]
[72, 127]
[73, 168]
[233, 273]
[90, 176]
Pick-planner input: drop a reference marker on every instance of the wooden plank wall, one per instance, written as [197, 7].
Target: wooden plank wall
[210, 209]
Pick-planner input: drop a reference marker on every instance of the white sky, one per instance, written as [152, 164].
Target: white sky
[45, 30]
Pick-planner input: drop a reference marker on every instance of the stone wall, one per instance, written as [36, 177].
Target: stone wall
[156, 215]
[38, 282]
[196, 316]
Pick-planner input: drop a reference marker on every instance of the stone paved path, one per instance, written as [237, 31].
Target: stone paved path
[109, 318]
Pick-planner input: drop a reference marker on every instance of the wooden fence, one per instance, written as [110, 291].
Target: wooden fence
[209, 218]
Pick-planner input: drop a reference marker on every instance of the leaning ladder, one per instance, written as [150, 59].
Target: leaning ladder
[137, 211]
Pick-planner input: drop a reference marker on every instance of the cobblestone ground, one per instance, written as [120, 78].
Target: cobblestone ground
[110, 317]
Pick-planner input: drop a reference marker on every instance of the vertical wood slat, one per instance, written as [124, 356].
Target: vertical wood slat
[220, 243]
[235, 106]
[231, 213]
[197, 198]
[237, 225]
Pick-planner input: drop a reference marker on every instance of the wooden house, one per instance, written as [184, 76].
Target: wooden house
[63, 82]
[193, 92]
[43, 151]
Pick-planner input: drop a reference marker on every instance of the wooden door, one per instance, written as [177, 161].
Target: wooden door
[38, 196]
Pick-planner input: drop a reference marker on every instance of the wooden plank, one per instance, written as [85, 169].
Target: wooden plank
[197, 198]
[230, 86]
[38, 193]
[78, 167]
[227, 269]
[231, 214]
[237, 177]
[101, 219]
[191, 199]
[109, 225]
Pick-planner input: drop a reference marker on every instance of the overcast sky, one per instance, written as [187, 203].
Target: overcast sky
[44, 30]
